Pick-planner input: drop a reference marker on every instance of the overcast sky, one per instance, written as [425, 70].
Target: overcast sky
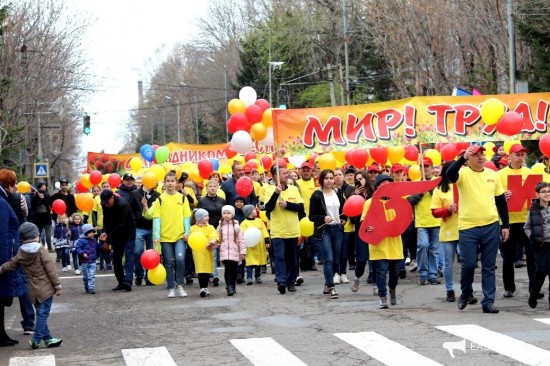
[122, 45]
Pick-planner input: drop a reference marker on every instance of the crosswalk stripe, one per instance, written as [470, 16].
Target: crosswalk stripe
[500, 343]
[265, 352]
[47, 360]
[544, 320]
[384, 350]
[156, 356]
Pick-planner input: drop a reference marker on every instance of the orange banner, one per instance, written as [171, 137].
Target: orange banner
[403, 122]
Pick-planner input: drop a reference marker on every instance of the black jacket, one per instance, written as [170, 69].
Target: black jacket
[214, 207]
[125, 192]
[318, 211]
[41, 209]
[69, 202]
[537, 227]
[137, 207]
[119, 222]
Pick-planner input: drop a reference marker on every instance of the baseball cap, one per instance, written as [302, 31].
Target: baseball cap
[306, 165]
[517, 148]
[127, 176]
[427, 161]
[64, 181]
[477, 148]
[247, 169]
[396, 167]
[374, 167]
[105, 195]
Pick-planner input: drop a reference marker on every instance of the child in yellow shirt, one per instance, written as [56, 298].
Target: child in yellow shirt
[204, 258]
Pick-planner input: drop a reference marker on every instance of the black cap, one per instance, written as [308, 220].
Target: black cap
[128, 176]
[64, 181]
[105, 195]
[381, 178]
[41, 184]
[183, 177]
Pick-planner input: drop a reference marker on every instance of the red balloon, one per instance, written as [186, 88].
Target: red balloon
[439, 145]
[282, 163]
[254, 113]
[239, 122]
[544, 144]
[448, 152]
[379, 154]
[59, 206]
[312, 158]
[249, 155]
[150, 259]
[205, 168]
[96, 177]
[244, 186]
[490, 165]
[229, 151]
[510, 124]
[353, 206]
[262, 103]
[411, 153]
[114, 180]
[359, 158]
[80, 187]
[461, 146]
[267, 162]
[348, 156]
[251, 164]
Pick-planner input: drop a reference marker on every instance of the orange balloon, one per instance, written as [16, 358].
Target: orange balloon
[414, 172]
[258, 131]
[84, 202]
[267, 118]
[236, 105]
[85, 180]
[194, 175]
[339, 155]
[150, 180]
[395, 154]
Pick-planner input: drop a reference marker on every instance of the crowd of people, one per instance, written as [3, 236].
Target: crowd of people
[465, 218]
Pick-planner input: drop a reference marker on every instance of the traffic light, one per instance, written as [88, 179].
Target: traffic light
[86, 126]
[282, 98]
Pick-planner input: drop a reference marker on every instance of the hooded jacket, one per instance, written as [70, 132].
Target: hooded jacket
[537, 225]
[39, 269]
[231, 241]
[88, 246]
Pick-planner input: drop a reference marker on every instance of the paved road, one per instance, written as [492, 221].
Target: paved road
[261, 327]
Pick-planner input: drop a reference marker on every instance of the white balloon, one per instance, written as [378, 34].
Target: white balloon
[268, 139]
[242, 142]
[57, 185]
[252, 237]
[248, 95]
[297, 160]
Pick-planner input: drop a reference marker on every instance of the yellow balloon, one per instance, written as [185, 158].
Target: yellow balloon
[158, 170]
[194, 175]
[197, 240]
[186, 166]
[105, 178]
[157, 275]
[339, 155]
[538, 168]
[23, 187]
[306, 227]
[289, 166]
[167, 166]
[136, 164]
[370, 161]
[261, 169]
[492, 110]
[326, 161]
[258, 131]
[508, 144]
[224, 169]
[236, 105]
[267, 118]
[178, 171]
[414, 172]
[434, 155]
[85, 180]
[159, 187]
[395, 154]
[150, 180]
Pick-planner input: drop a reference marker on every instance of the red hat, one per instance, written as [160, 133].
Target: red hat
[247, 169]
[397, 167]
[306, 165]
[477, 148]
[517, 148]
[427, 161]
[374, 167]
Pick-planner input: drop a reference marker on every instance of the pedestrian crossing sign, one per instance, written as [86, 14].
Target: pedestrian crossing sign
[41, 170]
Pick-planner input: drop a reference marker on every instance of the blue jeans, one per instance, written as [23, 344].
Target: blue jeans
[449, 249]
[329, 247]
[88, 276]
[65, 257]
[257, 271]
[27, 311]
[484, 240]
[216, 260]
[427, 252]
[344, 252]
[174, 254]
[41, 331]
[142, 236]
[384, 267]
[124, 274]
[75, 259]
[284, 251]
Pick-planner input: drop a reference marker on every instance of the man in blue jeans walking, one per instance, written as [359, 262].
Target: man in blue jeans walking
[481, 203]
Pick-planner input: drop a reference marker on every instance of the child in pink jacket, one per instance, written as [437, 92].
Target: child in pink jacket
[232, 247]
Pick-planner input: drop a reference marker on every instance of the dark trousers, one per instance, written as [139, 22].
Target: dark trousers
[230, 273]
[410, 241]
[203, 279]
[285, 260]
[189, 264]
[508, 248]
[542, 266]
[124, 273]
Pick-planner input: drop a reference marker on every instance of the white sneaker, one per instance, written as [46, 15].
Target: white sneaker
[207, 292]
[413, 266]
[375, 291]
[68, 268]
[407, 261]
[344, 278]
[64, 269]
[77, 271]
[337, 279]
[171, 293]
[181, 292]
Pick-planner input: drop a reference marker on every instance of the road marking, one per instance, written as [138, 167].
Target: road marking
[500, 343]
[544, 320]
[48, 360]
[157, 356]
[265, 352]
[384, 350]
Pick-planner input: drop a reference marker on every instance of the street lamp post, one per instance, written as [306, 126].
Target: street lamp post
[272, 65]
[225, 95]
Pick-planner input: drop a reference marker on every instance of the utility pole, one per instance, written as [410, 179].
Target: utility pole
[331, 86]
[346, 51]
[511, 48]
[225, 93]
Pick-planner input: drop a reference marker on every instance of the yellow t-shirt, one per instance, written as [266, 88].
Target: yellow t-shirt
[521, 216]
[307, 187]
[257, 188]
[477, 191]
[256, 255]
[423, 217]
[204, 258]
[284, 223]
[172, 212]
[97, 208]
[391, 247]
[219, 193]
[449, 225]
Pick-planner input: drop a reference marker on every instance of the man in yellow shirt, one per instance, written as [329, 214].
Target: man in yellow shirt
[481, 203]
[283, 208]
[518, 238]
